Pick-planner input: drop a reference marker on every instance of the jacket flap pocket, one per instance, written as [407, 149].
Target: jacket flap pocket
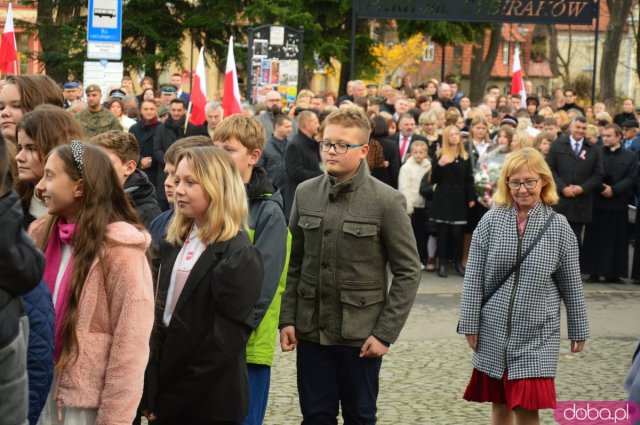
[362, 297]
[360, 230]
[309, 222]
[306, 289]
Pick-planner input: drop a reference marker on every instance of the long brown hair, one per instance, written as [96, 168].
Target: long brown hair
[35, 90]
[48, 126]
[103, 201]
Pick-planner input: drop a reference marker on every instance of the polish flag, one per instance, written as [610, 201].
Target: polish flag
[231, 96]
[199, 93]
[8, 54]
[517, 81]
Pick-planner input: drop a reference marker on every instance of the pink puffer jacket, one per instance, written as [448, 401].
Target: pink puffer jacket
[114, 323]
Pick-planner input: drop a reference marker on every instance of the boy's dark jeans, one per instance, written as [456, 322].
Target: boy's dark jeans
[328, 375]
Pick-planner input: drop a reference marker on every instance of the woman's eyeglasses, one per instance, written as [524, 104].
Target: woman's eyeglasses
[529, 184]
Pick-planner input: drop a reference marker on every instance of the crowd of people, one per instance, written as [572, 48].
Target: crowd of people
[164, 257]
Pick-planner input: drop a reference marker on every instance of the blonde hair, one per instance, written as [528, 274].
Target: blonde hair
[537, 164]
[304, 93]
[349, 118]
[604, 115]
[546, 112]
[439, 111]
[477, 120]
[447, 150]
[562, 117]
[216, 172]
[472, 113]
[592, 131]
[428, 117]
[523, 137]
[419, 144]
[523, 124]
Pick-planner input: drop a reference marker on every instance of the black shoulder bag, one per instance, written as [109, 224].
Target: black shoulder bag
[506, 277]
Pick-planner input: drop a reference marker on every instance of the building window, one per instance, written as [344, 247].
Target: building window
[430, 52]
[505, 53]
[22, 45]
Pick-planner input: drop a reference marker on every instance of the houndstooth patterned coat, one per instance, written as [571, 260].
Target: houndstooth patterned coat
[519, 327]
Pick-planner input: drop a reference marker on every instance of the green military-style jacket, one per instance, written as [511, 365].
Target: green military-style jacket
[343, 237]
[94, 123]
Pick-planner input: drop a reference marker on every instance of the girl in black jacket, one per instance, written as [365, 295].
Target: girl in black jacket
[209, 281]
[454, 194]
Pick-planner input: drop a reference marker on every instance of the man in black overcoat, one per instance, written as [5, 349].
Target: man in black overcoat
[606, 250]
[302, 157]
[576, 165]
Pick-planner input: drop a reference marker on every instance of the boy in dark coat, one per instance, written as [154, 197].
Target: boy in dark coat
[244, 139]
[122, 149]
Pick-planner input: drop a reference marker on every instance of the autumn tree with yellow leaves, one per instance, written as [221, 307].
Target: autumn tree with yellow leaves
[391, 58]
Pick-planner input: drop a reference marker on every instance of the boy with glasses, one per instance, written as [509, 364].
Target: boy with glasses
[346, 227]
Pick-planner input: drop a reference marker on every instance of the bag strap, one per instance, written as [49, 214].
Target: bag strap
[520, 260]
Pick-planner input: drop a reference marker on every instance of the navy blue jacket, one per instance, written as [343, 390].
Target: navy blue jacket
[39, 308]
[158, 226]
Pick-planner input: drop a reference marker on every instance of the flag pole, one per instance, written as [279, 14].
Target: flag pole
[186, 121]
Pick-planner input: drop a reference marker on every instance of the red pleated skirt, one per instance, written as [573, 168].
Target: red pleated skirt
[527, 393]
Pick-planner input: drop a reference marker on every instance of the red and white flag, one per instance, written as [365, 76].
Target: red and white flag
[8, 53]
[199, 93]
[231, 96]
[517, 79]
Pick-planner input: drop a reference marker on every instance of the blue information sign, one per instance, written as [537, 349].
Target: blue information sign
[105, 21]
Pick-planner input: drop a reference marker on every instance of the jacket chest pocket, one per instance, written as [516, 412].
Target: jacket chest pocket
[360, 310]
[310, 225]
[358, 240]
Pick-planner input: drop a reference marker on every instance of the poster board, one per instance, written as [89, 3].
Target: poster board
[275, 55]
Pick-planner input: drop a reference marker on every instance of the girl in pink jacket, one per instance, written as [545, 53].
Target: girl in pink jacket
[99, 275]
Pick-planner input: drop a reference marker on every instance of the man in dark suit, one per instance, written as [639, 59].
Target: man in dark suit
[576, 165]
[406, 135]
[389, 175]
[176, 80]
[301, 157]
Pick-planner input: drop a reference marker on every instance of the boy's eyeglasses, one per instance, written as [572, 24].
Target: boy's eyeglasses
[340, 148]
[529, 184]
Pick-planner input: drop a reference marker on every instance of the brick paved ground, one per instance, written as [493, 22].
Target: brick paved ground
[425, 374]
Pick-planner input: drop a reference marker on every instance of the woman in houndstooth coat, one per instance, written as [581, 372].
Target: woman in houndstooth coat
[515, 336]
